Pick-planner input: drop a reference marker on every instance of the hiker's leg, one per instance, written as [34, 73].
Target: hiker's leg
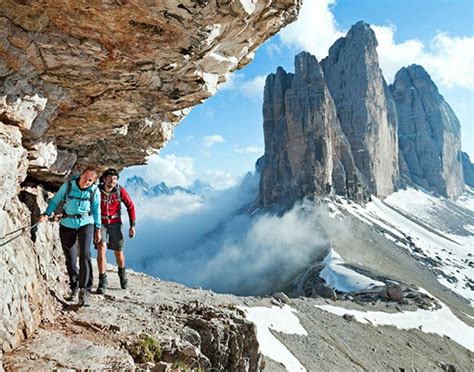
[68, 238]
[101, 257]
[85, 238]
[102, 249]
[120, 258]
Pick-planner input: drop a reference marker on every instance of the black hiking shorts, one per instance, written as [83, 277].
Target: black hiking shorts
[113, 236]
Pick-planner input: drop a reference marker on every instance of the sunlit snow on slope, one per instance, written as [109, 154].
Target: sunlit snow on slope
[342, 278]
[280, 320]
[424, 225]
[439, 321]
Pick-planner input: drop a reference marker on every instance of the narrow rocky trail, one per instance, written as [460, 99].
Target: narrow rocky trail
[201, 329]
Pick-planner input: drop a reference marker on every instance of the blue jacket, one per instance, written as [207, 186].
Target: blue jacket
[79, 204]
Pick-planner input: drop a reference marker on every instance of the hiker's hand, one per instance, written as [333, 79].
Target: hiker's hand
[43, 218]
[131, 232]
[97, 236]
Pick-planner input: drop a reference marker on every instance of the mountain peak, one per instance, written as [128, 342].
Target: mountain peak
[306, 64]
[362, 30]
[429, 133]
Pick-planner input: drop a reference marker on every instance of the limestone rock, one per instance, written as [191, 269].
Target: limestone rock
[231, 345]
[54, 351]
[429, 133]
[282, 297]
[306, 152]
[468, 169]
[364, 107]
[108, 81]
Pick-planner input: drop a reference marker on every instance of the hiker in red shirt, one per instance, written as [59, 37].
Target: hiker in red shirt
[111, 197]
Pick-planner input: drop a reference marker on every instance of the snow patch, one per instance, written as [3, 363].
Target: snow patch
[280, 320]
[441, 322]
[408, 214]
[342, 278]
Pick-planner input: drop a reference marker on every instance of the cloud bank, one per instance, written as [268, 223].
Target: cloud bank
[211, 246]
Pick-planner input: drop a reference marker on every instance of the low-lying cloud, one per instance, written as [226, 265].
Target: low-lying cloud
[211, 246]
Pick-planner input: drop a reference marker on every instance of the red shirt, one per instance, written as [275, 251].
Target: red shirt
[110, 206]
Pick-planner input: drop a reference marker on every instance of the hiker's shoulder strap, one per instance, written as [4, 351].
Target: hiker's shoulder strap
[119, 193]
[92, 194]
[68, 190]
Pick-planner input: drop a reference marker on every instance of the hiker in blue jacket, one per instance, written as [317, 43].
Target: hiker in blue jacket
[81, 200]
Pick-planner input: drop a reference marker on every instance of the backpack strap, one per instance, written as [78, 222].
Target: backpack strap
[91, 199]
[119, 195]
[119, 198]
[68, 190]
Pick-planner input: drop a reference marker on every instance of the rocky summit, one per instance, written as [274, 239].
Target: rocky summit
[429, 133]
[364, 106]
[336, 128]
[306, 151]
[468, 169]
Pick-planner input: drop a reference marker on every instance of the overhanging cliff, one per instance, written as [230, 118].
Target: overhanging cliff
[104, 82]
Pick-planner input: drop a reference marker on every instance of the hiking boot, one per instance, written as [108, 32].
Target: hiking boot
[73, 295]
[102, 283]
[123, 277]
[84, 299]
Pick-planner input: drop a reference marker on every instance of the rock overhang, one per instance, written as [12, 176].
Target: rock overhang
[104, 82]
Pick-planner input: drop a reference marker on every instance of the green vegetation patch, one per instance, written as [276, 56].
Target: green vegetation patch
[145, 349]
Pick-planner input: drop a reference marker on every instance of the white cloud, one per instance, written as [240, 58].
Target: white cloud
[167, 207]
[219, 179]
[189, 139]
[228, 252]
[315, 30]
[252, 88]
[209, 141]
[231, 81]
[449, 60]
[273, 50]
[172, 169]
[248, 150]
[394, 56]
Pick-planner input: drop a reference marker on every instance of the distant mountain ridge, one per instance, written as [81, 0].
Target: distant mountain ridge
[137, 186]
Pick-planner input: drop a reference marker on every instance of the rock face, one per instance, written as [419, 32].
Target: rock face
[364, 107]
[429, 133]
[31, 261]
[104, 84]
[468, 169]
[306, 152]
[337, 128]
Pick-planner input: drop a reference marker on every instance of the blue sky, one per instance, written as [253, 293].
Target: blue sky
[221, 139]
